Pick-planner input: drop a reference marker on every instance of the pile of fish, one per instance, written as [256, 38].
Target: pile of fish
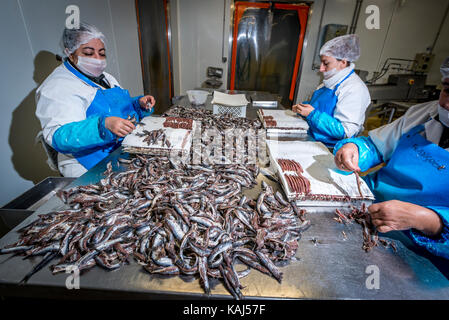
[173, 218]
[132, 119]
[370, 235]
[208, 120]
[290, 165]
[178, 123]
[242, 140]
[296, 183]
[269, 121]
[152, 137]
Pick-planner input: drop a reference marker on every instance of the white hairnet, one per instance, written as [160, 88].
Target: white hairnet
[444, 69]
[72, 39]
[344, 48]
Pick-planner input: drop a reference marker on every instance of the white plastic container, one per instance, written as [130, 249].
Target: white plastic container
[236, 111]
[197, 97]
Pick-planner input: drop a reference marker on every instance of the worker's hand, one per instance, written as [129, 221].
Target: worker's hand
[303, 109]
[147, 102]
[118, 126]
[398, 215]
[347, 158]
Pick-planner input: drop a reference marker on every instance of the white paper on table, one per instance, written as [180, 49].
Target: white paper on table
[233, 100]
[320, 169]
[285, 119]
[180, 139]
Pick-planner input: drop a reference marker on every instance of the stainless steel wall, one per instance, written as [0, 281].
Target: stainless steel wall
[267, 42]
[155, 55]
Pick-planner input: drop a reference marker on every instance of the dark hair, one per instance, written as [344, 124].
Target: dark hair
[348, 63]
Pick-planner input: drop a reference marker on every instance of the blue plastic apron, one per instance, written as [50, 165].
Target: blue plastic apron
[325, 99]
[107, 102]
[417, 172]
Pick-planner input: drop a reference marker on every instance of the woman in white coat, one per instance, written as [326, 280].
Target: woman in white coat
[83, 111]
[412, 189]
[337, 107]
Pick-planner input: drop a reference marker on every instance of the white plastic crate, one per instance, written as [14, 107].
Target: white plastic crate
[239, 111]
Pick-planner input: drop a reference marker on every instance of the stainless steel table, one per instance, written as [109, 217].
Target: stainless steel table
[329, 266]
[251, 112]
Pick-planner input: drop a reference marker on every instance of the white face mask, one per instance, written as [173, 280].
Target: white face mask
[329, 74]
[443, 114]
[91, 66]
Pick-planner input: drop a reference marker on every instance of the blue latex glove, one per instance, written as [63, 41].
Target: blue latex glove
[438, 245]
[142, 113]
[137, 108]
[89, 133]
[324, 127]
[369, 156]
[82, 135]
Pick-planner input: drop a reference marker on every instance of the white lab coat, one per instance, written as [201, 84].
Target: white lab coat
[63, 98]
[386, 138]
[353, 100]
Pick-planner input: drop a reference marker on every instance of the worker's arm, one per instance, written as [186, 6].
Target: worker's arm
[347, 120]
[92, 132]
[429, 226]
[86, 134]
[387, 137]
[325, 127]
[143, 105]
[97, 130]
[356, 154]
[437, 244]
[147, 102]
[381, 142]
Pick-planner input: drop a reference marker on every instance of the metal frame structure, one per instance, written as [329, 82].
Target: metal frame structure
[310, 4]
[168, 44]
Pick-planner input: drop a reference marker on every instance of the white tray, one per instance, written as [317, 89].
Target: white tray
[287, 123]
[326, 181]
[180, 139]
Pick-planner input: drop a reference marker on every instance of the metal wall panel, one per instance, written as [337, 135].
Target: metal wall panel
[155, 55]
[267, 45]
[266, 51]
